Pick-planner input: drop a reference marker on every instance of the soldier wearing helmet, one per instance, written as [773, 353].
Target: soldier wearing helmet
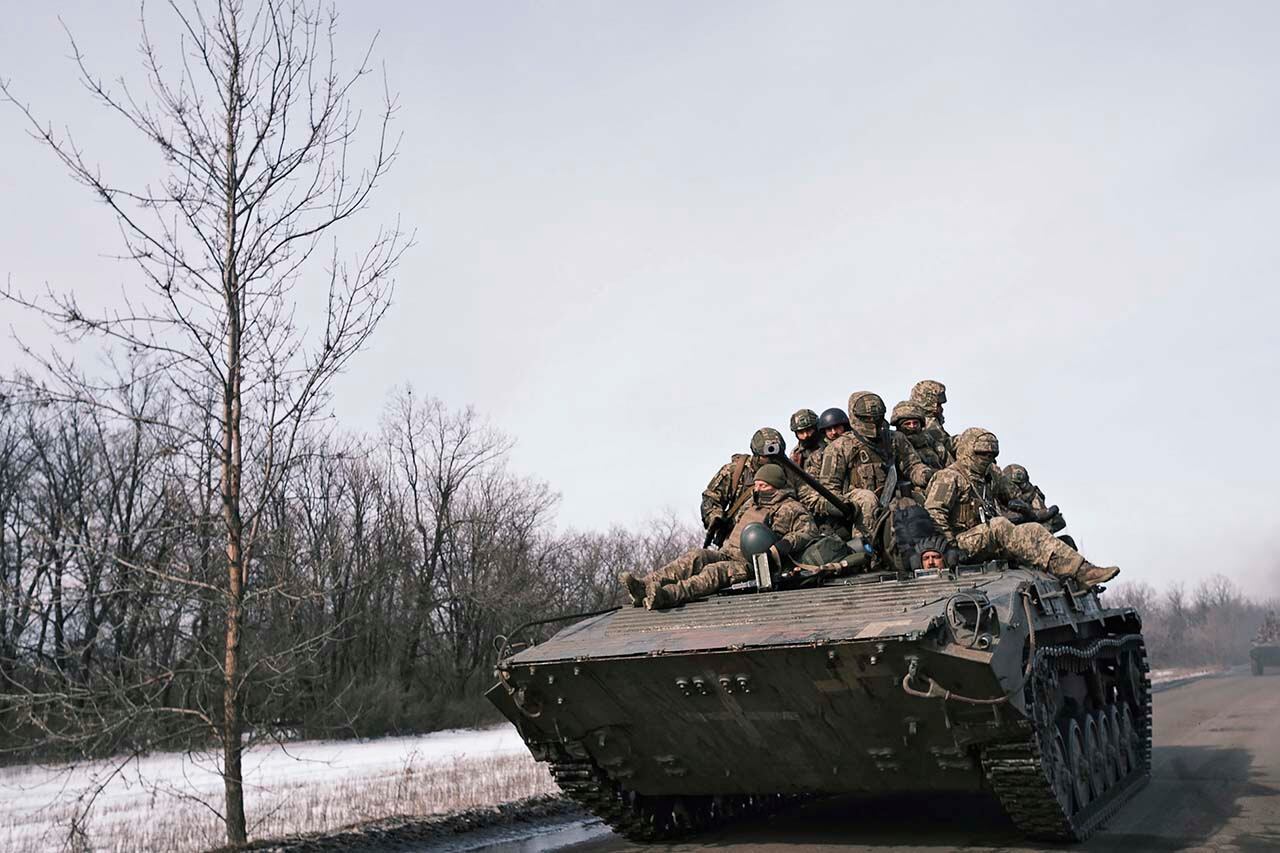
[1025, 498]
[962, 503]
[730, 488]
[930, 395]
[804, 424]
[702, 571]
[833, 423]
[860, 462]
[908, 419]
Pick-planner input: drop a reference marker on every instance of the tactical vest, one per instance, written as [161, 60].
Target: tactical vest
[752, 514]
[975, 505]
[868, 468]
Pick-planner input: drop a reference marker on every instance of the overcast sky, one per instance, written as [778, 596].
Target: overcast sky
[647, 229]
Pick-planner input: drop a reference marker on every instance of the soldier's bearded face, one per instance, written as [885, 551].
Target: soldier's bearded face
[910, 425]
[804, 436]
[932, 560]
[834, 432]
[762, 488]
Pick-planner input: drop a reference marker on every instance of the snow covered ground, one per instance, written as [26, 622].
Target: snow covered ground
[170, 801]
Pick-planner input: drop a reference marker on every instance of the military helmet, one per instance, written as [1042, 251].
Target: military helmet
[977, 440]
[866, 406]
[1018, 475]
[905, 411]
[929, 393]
[804, 419]
[756, 539]
[832, 417]
[766, 435]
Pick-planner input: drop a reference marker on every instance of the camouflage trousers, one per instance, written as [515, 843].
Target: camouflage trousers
[701, 571]
[1026, 543]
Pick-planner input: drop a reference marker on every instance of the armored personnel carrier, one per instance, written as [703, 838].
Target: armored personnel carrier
[989, 678]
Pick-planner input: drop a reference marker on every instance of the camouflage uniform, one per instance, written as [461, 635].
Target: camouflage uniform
[930, 395]
[702, 571]
[933, 452]
[730, 488]
[1018, 486]
[962, 503]
[856, 466]
[805, 419]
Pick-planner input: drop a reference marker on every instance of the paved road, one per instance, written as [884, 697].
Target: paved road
[1215, 786]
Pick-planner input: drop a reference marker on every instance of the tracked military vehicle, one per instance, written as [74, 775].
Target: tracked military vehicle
[1262, 654]
[987, 678]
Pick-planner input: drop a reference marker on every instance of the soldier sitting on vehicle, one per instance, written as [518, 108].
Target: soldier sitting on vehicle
[1026, 501]
[702, 571]
[908, 419]
[930, 395]
[804, 425]
[961, 501]
[730, 488]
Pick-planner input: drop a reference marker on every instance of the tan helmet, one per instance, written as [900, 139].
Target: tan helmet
[866, 406]
[804, 419]
[766, 435]
[929, 393]
[977, 440]
[1018, 476]
[905, 411]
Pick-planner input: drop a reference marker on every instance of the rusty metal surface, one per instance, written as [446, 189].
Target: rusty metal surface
[832, 613]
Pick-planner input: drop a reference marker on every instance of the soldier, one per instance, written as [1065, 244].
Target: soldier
[730, 488]
[858, 465]
[930, 395]
[834, 423]
[1021, 495]
[702, 571]
[804, 424]
[961, 502]
[909, 419]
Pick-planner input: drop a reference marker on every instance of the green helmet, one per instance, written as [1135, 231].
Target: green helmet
[866, 406]
[804, 419]
[756, 539]
[1018, 476]
[764, 436]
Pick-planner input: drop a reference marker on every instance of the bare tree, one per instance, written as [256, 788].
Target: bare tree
[256, 128]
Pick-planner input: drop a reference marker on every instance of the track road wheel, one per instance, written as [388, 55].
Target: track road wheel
[1129, 746]
[1116, 766]
[1078, 762]
[1096, 757]
[1107, 747]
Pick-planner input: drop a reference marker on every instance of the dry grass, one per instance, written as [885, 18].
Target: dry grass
[161, 820]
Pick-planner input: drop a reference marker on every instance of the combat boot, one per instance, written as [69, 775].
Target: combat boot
[634, 587]
[660, 597]
[1089, 575]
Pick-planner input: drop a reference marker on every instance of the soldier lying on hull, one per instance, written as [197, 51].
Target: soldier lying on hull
[962, 503]
[702, 571]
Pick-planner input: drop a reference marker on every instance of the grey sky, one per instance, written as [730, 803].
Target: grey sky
[646, 229]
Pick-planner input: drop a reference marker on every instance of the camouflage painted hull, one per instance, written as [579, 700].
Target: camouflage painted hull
[802, 692]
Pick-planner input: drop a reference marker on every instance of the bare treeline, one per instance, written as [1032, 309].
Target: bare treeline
[1211, 625]
[386, 566]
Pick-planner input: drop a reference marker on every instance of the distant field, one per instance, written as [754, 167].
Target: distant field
[169, 802]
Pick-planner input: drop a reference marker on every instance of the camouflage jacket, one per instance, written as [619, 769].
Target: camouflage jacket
[932, 452]
[851, 462]
[730, 484]
[1032, 495]
[939, 437]
[782, 514]
[730, 489]
[957, 503]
